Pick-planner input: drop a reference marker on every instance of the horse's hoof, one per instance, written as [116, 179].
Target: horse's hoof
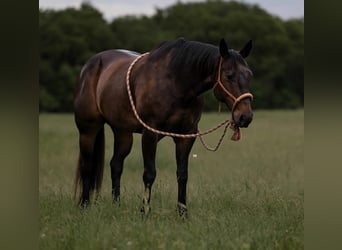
[182, 210]
[84, 205]
[116, 201]
[145, 210]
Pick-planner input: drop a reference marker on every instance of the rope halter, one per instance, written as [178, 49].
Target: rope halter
[225, 90]
[227, 123]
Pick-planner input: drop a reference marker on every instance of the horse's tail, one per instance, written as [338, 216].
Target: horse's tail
[96, 171]
[92, 172]
[99, 150]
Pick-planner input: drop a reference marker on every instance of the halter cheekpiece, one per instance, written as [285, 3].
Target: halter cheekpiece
[236, 100]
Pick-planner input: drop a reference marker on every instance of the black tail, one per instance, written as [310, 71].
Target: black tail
[96, 168]
[89, 170]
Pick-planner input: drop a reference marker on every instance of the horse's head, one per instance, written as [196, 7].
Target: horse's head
[232, 85]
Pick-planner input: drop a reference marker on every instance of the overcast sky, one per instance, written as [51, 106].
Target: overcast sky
[113, 8]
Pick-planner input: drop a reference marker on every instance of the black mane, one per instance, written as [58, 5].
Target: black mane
[188, 58]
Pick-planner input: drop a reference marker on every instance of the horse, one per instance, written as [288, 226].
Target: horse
[161, 90]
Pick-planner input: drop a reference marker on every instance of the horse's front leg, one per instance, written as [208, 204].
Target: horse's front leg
[149, 144]
[122, 147]
[183, 148]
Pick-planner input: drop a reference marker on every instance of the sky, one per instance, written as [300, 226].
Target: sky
[111, 9]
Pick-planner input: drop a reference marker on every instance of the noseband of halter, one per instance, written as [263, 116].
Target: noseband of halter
[236, 100]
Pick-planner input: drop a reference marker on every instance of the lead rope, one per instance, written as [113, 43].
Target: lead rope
[199, 134]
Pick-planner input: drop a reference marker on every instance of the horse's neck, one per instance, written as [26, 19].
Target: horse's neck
[192, 89]
[199, 86]
[205, 85]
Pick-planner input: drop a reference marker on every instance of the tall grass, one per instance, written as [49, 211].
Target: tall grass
[247, 195]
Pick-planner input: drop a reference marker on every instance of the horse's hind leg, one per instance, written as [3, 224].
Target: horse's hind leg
[149, 146]
[122, 147]
[183, 148]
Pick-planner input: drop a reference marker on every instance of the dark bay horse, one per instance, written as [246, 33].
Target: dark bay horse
[167, 87]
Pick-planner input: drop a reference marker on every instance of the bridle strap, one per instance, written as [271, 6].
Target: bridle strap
[241, 97]
[226, 91]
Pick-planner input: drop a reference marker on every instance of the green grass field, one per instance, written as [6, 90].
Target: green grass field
[247, 195]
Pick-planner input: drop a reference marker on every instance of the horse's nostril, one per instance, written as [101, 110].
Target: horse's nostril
[245, 120]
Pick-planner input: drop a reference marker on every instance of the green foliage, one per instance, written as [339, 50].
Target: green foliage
[69, 37]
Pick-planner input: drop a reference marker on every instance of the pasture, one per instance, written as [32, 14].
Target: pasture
[247, 195]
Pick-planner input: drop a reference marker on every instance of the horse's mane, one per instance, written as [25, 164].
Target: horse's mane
[188, 57]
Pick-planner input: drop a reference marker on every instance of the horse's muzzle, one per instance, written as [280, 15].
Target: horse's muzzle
[245, 119]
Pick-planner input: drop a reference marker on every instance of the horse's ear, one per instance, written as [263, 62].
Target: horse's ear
[223, 48]
[246, 50]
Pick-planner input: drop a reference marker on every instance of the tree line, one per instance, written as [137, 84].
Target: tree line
[69, 37]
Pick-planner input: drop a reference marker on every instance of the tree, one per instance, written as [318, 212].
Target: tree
[69, 37]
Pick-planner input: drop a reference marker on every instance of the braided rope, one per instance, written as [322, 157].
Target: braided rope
[227, 122]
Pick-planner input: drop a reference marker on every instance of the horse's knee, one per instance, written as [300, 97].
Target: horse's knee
[116, 167]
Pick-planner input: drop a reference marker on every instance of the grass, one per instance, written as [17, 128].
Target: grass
[247, 195]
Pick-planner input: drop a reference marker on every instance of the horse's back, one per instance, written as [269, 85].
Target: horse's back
[90, 81]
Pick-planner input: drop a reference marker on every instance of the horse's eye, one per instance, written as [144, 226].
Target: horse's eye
[230, 77]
